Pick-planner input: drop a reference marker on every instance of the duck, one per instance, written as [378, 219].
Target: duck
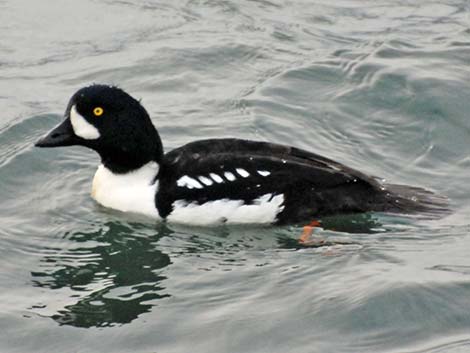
[216, 181]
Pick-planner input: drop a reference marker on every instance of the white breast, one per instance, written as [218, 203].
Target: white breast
[130, 192]
[263, 210]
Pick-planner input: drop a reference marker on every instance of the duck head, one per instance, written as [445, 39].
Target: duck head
[110, 122]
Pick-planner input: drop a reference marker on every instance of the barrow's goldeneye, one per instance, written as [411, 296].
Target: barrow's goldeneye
[216, 180]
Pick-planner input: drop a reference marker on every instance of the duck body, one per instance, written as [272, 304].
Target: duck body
[217, 180]
[241, 181]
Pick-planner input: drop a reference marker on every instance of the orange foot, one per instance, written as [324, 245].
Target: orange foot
[306, 239]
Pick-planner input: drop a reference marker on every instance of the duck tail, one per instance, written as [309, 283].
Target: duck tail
[415, 200]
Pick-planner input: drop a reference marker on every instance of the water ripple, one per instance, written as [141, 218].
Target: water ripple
[378, 85]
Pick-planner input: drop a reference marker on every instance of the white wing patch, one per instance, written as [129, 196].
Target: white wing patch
[242, 172]
[129, 192]
[229, 176]
[216, 178]
[189, 183]
[81, 127]
[263, 210]
[200, 182]
[205, 180]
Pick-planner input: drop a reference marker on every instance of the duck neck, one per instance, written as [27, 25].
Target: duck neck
[122, 160]
[126, 163]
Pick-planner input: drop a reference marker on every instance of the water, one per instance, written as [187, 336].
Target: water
[378, 85]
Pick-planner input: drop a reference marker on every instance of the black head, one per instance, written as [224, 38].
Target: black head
[111, 122]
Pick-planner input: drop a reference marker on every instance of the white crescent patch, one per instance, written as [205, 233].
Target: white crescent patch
[81, 127]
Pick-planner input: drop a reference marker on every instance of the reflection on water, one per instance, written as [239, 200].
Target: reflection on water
[381, 86]
[115, 275]
[358, 223]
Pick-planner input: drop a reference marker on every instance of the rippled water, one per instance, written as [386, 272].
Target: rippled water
[381, 85]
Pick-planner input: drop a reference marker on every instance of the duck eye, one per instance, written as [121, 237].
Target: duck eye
[98, 111]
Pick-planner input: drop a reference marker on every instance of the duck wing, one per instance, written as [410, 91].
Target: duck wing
[234, 169]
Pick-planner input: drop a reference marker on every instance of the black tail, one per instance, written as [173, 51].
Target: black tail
[414, 200]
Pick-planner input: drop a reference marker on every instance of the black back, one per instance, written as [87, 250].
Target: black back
[312, 185]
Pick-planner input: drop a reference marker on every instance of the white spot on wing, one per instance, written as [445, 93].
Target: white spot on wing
[242, 172]
[229, 176]
[205, 180]
[262, 210]
[262, 199]
[188, 182]
[216, 178]
[130, 192]
[81, 127]
[263, 172]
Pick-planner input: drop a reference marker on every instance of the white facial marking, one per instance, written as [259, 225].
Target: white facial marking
[129, 192]
[229, 176]
[263, 210]
[188, 182]
[81, 127]
[242, 172]
[216, 178]
[205, 180]
[263, 172]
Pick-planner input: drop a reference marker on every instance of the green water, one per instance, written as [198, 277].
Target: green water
[382, 86]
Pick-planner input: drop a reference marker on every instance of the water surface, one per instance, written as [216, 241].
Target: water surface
[381, 86]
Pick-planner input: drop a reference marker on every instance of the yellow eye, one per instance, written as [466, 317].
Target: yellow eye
[98, 111]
